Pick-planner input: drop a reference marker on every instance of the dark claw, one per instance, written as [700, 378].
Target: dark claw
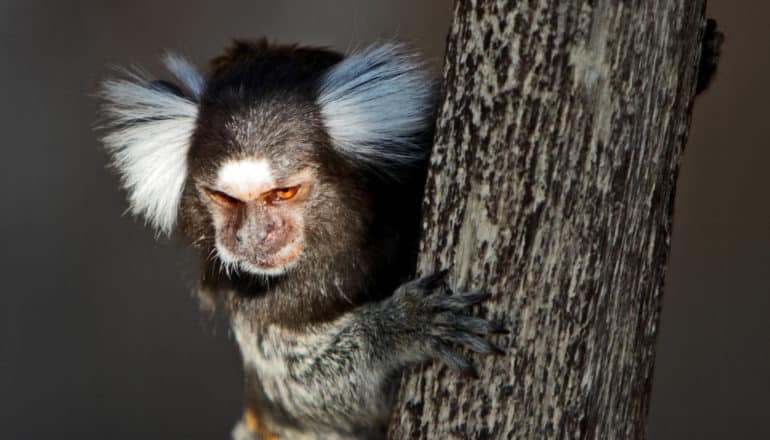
[497, 350]
[470, 373]
[499, 329]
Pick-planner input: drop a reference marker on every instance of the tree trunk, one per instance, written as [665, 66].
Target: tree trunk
[551, 186]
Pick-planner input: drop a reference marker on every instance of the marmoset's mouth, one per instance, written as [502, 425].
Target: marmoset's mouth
[276, 264]
[283, 258]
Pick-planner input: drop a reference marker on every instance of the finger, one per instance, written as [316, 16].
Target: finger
[473, 342]
[455, 361]
[433, 280]
[470, 324]
[457, 302]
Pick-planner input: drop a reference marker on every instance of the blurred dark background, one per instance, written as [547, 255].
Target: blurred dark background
[100, 335]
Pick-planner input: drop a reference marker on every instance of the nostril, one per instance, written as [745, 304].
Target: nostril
[268, 230]
[262, 233]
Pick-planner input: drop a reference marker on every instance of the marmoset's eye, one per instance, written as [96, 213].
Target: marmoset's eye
[221, 198]
[280, 194]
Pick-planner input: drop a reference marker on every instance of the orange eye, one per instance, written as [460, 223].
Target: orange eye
[285, 193]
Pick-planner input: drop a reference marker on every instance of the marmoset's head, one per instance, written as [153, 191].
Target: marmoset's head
[269, 162]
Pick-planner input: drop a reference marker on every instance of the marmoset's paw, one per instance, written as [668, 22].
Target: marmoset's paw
[440, 324]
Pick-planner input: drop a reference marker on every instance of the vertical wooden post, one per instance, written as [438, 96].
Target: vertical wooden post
[551, 186]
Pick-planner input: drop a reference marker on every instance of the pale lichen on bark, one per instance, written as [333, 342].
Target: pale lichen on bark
[551, 186]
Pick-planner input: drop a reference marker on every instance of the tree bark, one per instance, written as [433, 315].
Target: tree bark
[551, 186]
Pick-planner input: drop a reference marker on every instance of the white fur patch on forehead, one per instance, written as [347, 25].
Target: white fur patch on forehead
[148, 131]
[375, 102]
[245, 179]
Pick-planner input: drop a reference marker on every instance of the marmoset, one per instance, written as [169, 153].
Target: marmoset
[297, 173]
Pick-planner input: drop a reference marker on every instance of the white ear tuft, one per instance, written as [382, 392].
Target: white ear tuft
[148, 135]
[185, 73]
[376, 103]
